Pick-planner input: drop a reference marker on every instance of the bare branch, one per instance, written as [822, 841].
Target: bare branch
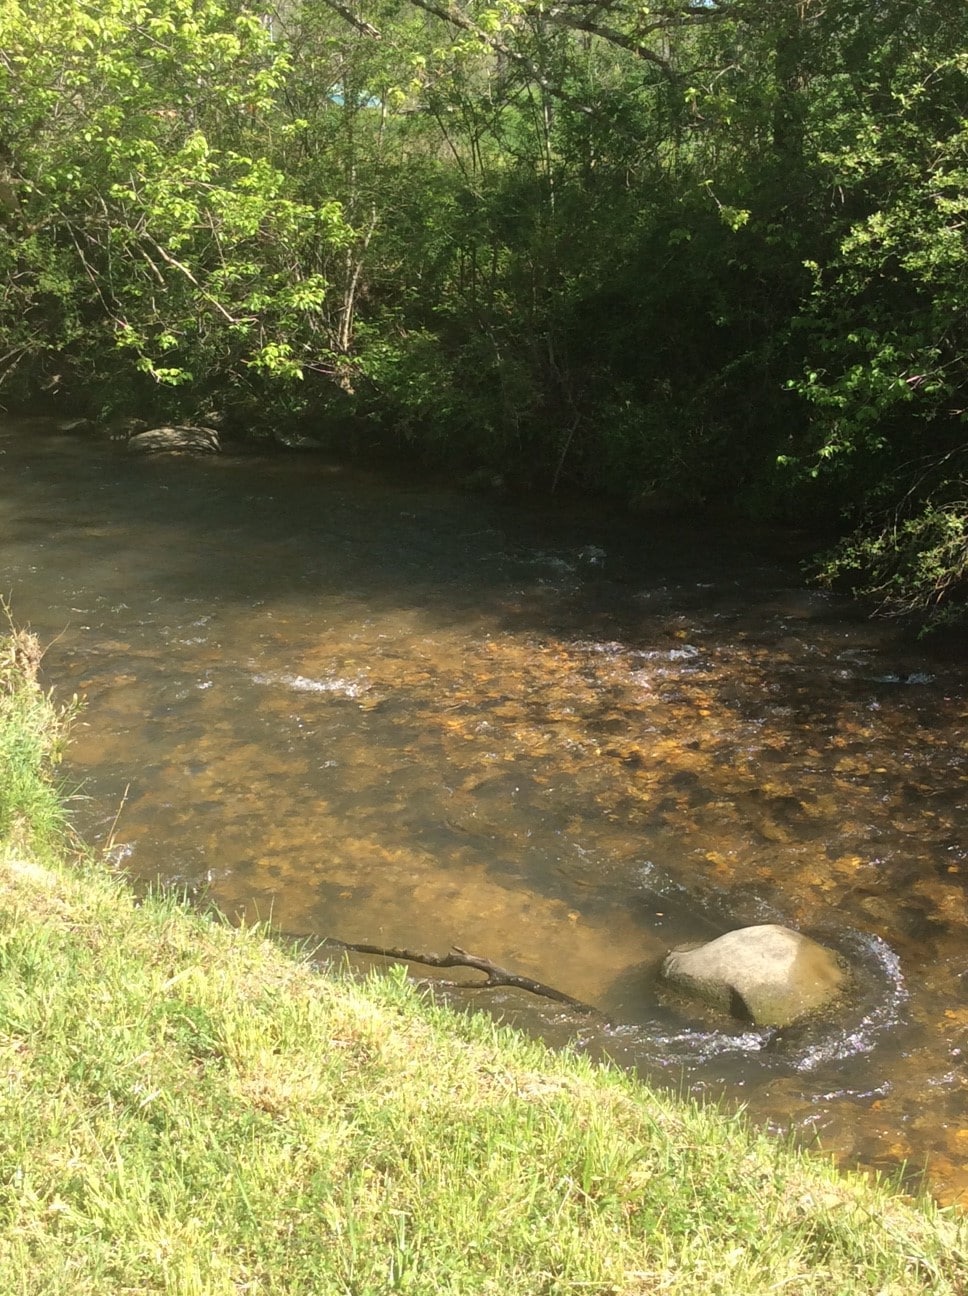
[453, 15]
[177, 265]
[154, 269]
[347, 14]
[574, 22]
[496, 976]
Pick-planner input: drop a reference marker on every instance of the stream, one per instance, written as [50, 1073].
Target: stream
[361, 706]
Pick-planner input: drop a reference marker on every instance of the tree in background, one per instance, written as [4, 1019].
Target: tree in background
[713, 251]
[147, 228]
[887, 316]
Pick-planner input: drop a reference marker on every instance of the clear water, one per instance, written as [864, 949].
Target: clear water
[385, 712]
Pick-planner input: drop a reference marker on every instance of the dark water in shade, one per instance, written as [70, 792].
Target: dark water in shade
[386, 712]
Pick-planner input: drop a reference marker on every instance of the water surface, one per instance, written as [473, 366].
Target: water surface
[386, 712]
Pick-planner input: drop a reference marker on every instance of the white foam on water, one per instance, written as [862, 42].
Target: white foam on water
[334, 684]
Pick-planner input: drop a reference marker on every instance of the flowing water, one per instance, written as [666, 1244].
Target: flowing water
[385, 712]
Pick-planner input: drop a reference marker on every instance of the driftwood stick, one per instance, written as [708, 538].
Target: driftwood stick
[495, 976]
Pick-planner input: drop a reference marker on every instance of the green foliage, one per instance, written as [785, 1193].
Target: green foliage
[887, 312]
[916, 564]
[32, 734]
[149, 225]
[715, 251]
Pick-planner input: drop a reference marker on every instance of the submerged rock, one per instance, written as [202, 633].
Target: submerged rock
[178, 439]
[771, 974]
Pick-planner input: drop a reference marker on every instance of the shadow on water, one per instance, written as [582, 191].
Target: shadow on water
[382, 711]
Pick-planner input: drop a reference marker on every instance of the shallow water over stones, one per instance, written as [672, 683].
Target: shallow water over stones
[374, 710]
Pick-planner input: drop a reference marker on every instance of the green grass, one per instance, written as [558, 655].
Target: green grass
[32, 731]
[187, 1108]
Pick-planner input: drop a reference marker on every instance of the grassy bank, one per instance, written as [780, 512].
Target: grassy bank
[186, 1108]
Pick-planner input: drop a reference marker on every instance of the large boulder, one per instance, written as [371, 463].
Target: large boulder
[179, 439]
[770, 974]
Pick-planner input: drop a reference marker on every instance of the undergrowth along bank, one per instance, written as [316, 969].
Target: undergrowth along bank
[32, 733]
[189, 1109]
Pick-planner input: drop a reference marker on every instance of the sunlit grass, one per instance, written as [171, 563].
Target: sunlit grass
[187, 1108]
[32, 732]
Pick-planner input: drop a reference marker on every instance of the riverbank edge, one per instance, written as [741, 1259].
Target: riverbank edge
[188, 1107]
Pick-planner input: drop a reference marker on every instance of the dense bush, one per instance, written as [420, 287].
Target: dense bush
[717, 252]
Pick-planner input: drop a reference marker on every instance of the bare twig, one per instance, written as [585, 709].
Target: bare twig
[495, 975]
[178, 265]
[564, 451]
[109, 844]
[347, 14]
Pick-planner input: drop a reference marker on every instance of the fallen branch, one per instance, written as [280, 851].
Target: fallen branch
[495, 976]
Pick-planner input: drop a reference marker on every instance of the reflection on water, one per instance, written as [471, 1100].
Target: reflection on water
[392, 714]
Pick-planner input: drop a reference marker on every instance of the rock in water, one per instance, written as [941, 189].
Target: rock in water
[122, 427]
[180, 439]
[772, 973]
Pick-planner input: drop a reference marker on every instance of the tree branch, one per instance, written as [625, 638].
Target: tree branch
[178, 265]
[347, 14]
[452, 14]
[574, 22]
[495, 975]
